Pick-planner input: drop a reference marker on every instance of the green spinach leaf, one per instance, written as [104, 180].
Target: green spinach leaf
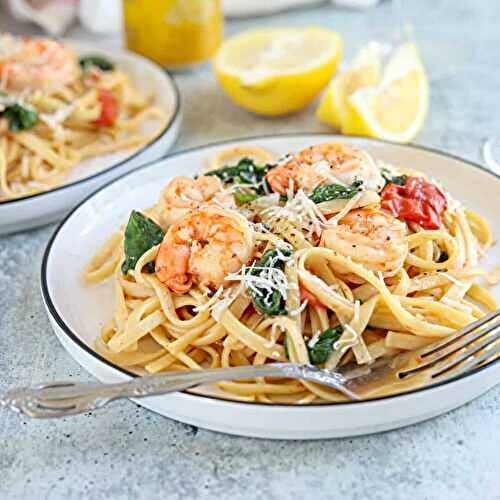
[329, 192]
[242, 197]
[141, 234]
[19, 117]
[319, 353]
[246, 171]
[400, 180]
[94, 61]
[266, 301]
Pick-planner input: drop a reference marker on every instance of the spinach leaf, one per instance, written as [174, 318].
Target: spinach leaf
[141, 234]
[242, 197]
[88, 62]
[400, 180]
[20, 117]
[266, 301]
[246, 171]
[329, 192]
[319, 353]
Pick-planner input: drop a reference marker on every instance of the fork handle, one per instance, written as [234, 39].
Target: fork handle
[64, 399]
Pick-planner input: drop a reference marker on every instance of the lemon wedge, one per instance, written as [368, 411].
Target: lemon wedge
[363, 72]
[277, 71]
[396, 108]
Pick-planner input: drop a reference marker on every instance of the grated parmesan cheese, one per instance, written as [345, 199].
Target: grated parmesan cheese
[300, 211]
[299, 310]
[210, 303]
[269, 280]
[314, 339]
[276, 330]
[229, 296]
[6, 101]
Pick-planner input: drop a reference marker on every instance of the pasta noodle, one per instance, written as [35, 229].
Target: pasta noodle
[56, 111]
[334, 271]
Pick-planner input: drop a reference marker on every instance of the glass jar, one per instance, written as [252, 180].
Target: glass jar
[174, 33]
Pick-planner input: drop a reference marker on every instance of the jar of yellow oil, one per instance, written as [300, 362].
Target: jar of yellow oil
[174, 33]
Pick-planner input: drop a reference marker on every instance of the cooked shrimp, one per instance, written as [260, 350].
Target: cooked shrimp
[330, 163]
[202, 248]
[183, 194]
[36, 64]
[370, 237]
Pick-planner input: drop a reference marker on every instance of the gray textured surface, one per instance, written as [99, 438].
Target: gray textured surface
[127, 452]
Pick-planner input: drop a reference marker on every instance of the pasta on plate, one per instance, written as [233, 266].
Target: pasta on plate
[324, 256]
[57, 110]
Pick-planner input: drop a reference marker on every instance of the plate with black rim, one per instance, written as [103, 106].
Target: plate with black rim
[77, 313]
[42, 208]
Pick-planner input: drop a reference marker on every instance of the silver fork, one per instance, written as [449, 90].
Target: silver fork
[468, 349]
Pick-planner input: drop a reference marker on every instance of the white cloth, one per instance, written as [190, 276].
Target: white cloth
[54, 16]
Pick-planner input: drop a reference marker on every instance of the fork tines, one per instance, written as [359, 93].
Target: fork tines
[476, 345]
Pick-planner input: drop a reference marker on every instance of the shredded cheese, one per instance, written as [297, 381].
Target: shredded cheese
[229, 296]
[276, 330]
[299, 310]
[300, 211]
[314, 339]
[211, 302]
[269, 279]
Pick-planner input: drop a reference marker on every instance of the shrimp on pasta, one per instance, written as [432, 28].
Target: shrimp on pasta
[203, 248]
[325, 164]
[36, 64]
[370, 237]
[183, 194]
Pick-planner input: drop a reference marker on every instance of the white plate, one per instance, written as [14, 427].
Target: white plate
[39, 209]
[77, 313]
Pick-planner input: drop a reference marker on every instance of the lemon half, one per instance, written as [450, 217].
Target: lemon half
[277, 71]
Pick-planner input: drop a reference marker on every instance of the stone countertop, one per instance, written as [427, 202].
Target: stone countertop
[125, 451]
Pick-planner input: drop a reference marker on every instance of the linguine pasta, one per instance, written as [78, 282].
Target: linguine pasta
[57, 110]
[324, 256]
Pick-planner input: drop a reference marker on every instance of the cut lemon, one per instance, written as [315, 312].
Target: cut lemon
[394, 110]
[363, 72]
[277, 71]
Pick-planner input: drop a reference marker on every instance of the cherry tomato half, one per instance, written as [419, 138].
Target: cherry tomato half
[109, 108]
[416, 201]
